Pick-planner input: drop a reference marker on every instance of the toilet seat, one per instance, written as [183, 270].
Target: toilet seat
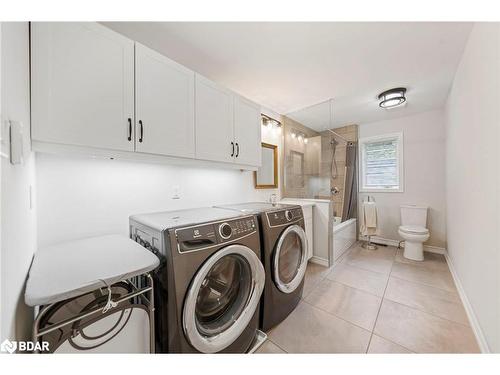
[413, 229]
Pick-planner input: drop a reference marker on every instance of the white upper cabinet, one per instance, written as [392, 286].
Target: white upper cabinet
[214, 121]
[227, 125]
[94, 88]
[247, 132]
[164, 105]
[82, 85]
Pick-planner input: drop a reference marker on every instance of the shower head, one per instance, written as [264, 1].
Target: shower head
[334, 142]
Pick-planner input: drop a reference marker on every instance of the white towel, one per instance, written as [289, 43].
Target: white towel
[368, 224]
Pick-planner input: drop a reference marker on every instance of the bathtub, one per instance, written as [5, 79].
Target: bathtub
[344, 236]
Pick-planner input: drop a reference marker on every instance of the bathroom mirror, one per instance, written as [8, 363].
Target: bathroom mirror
[266, 177]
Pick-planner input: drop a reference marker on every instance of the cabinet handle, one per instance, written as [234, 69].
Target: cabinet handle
[237, 149]
[142, 131]
[232, 145]
[129, 129]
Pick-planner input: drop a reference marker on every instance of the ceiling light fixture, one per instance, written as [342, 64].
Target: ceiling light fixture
[392, 98]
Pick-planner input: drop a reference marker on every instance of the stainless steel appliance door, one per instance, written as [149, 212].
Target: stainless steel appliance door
[222, 298]
[290, 259]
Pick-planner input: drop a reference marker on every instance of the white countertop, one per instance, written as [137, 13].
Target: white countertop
[303, 202]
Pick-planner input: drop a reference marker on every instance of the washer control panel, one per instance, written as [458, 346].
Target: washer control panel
[207, 235]
[284, 216]
[234, 229]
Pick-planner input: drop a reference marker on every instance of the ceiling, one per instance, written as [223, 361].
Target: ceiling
[289, 66]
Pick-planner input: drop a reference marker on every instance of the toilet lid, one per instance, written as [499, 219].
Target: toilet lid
[413, 229]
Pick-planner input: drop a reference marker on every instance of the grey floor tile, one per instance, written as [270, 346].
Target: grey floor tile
[353, 305]
[314, 274]
[433, 300]
[439, 278]
[379, 345]
[379, 260]
[369, 281]
[421, 332]
[311, 330]
[269, 347]
[431, 261]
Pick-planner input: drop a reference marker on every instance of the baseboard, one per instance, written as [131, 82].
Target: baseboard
[318, 260]
[476, 328]
[395, 243]
[435, 250]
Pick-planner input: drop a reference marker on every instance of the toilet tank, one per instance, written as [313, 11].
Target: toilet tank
[414, 215]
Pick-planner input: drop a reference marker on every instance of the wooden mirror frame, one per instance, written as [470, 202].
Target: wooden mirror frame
[275, 157]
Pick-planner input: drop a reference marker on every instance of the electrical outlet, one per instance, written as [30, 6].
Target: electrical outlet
[176, 192]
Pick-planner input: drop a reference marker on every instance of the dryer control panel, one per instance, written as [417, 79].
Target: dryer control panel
[284, 217]
[201, 236]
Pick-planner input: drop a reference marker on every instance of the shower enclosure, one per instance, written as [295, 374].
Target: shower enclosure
[320, 164]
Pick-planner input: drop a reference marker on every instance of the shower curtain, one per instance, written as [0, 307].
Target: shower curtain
[351, 183]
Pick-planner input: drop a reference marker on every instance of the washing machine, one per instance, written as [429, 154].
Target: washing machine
[210, 280]
[284, 254]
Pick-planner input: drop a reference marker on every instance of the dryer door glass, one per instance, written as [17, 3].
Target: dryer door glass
[290, 259]
[222, 298]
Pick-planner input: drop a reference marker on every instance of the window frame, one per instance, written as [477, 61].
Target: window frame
[400, 162]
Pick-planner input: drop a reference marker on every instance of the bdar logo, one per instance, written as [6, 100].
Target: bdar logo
[24, 346]
[8, 346]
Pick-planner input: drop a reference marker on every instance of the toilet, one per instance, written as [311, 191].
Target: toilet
[413, 231]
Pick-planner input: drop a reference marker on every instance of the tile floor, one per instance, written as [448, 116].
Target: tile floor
[376, 302]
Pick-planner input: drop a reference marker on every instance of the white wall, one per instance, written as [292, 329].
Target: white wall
[472, 177]
[18, 219]
[424, 179]
[80, 197]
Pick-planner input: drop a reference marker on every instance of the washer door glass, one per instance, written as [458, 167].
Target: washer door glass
[290, 259]
[223, 298]
[223, 294]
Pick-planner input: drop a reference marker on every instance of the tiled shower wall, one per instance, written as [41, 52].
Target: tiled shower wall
[300, 177]
[313, 179]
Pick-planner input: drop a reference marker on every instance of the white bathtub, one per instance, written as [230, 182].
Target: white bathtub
[344, 236]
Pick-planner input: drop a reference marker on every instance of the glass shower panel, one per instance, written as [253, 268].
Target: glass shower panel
[320, 158]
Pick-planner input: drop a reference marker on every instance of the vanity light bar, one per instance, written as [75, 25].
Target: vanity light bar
[301, 137]
[269, 121]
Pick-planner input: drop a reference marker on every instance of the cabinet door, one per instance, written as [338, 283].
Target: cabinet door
[214, 121]
[82, 85]
[247, 132]
[164, 94]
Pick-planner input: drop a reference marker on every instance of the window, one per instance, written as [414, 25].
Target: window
[381, 163]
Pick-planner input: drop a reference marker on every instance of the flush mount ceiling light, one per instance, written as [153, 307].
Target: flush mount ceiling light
[392, 98]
